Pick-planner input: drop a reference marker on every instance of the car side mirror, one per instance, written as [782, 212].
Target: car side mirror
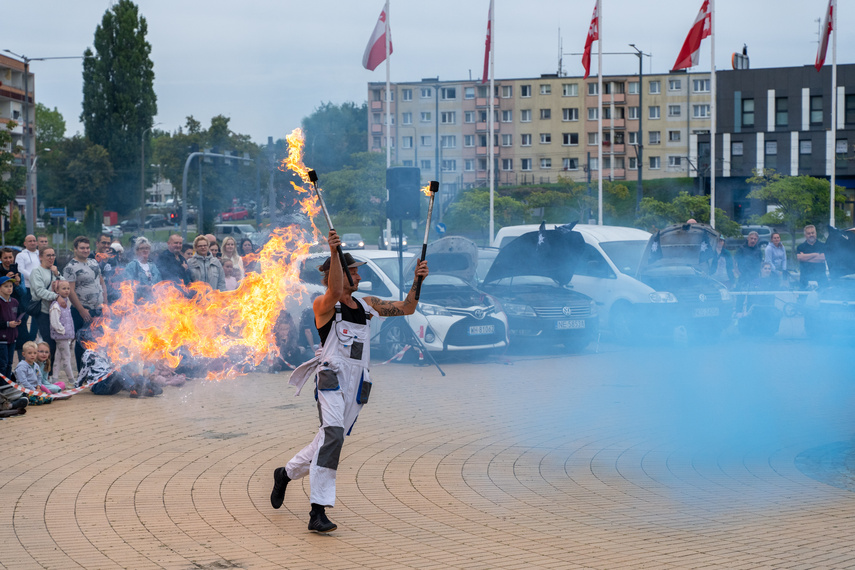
[366, 286]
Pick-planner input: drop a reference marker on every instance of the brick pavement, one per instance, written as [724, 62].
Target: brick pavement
[554, 462]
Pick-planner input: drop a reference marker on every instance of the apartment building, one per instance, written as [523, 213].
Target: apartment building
[544, 127]
[12, 101]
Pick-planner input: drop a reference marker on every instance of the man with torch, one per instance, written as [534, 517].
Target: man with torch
[340, 371]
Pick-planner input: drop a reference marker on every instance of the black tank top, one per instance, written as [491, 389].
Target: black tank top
[356, 316]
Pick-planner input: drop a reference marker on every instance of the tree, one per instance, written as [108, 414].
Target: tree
[334, 133]
[656, 214]
[356, 194]
[75, 174]
[119, 102]
[570, 201]
[12, 177]
[471, 211]
[50, 127]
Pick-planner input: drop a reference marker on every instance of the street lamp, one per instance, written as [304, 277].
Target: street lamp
[639, 190]
[29, 210]
[142, 177]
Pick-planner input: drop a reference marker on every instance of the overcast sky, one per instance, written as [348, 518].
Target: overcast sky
[268, 63]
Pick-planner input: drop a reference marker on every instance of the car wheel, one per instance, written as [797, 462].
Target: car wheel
[394, 336]
[622, 323]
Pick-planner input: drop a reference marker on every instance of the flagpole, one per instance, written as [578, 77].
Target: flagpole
[600, 112]
[712, 113]
[388, 93]
[833, 112]
[491, 167]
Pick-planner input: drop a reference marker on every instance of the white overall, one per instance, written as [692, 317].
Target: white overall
[340, 370]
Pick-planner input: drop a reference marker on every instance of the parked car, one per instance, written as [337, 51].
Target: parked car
[531, 278]
[129, 226]
[156, 221]
[352, 241]
[452, 315]
[389, 241]
[764, 234]
[235, 213]
[114, 231]
[237, 231]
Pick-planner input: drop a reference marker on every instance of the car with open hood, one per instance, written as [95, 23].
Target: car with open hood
[452, 315]
[531, 278]
[830, 310]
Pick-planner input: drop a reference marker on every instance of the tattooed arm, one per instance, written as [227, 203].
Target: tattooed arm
[397, 308]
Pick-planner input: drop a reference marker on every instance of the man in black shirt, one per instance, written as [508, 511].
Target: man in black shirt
[172, 265]
[748, 258]
[811, 256]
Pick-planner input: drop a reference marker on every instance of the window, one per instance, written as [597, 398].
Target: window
[407, 118]
[468, 116]
[654, 137]
[525, 91]
[482, 140]
[507, 140]
[842, 146]
[654, 162]
[673, 136]
[375, 118]
[426, 93]
[407, 94]
[425, 140]
[701, 111]
[482, 164]
[593, 164]
[607, 113]
[424, 116]
[507, 164]
[482, 90]
[782, 114]
[449, 165]
[425, 165]
[592, 138]
[469, 140]
[592, 113]
[545, 138]
[468, 92]
[525, 164]
[469, 165]
[545, 114]
[633, 87]
[570, 114]
[525, 140]
[570, 139]
[771, 147]
[570, 163]
[507, 116]
[406, 163]
[674, 85]
[525, 115]
[570, 90]
[507, 91]
[675, 161]
[592, 89]
[805, 147]
[545, 163]
[545, 89]
[376, 142]
[607, 163]
[633, 137]
[448, 93]
[850, 109]
[406, 142]
[618, 88]
[655, 88]
[448, 117]
[816, 110]
[653, 112]
[633, 113]
[448, 141]
[701, 85]
[633, 163]
[673, 110]
[748, 112]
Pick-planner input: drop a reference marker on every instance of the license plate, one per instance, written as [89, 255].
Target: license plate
[574, 324]
[482, 329]
[706, 312]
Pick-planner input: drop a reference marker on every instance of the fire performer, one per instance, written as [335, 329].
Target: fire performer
[342, 384]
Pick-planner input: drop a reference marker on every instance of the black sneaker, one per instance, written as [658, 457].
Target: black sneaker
[280, 481]
[318, 521]
[19, 403]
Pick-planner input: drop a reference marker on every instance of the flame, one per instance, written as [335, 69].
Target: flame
[426, 190]
[234, 329]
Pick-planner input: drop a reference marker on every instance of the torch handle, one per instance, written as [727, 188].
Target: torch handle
[344, 265]
[420, 279]
[329, 223]
[424, 245]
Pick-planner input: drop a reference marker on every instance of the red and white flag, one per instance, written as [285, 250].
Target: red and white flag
[702, 28]
[593, 35]
[488, 44]
[375, 51]
[827, 26]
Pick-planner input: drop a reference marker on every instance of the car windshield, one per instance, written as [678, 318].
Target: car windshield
[626, 255]
[351, 237]
[245, 228]
[389, 266]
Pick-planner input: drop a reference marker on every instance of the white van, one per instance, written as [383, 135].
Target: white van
[607, 275]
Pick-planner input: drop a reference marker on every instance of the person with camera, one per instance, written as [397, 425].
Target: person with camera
[88, 290]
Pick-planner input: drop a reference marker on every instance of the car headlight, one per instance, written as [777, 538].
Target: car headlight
[519, 310]
[362, 244]
[593, 307]
[725, 294]
[662, 297]
[404, 242]
[433, 310]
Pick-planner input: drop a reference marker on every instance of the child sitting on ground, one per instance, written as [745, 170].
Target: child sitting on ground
[62, 329]
[26, 372]
[43, 368]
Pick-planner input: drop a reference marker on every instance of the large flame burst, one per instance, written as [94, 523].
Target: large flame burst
[234, 327]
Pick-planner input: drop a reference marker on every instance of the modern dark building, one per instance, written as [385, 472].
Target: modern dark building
[779, 118]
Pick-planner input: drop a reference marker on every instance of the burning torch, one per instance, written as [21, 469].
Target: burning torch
[313, 176]
[433, 188]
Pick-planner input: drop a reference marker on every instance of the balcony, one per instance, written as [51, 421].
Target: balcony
[618, 98]
[377, 128]
[614, 148]
[481, 151]
[617, 173]
[484, 126]
[377, 105]
[619, 123]
[485, 102]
